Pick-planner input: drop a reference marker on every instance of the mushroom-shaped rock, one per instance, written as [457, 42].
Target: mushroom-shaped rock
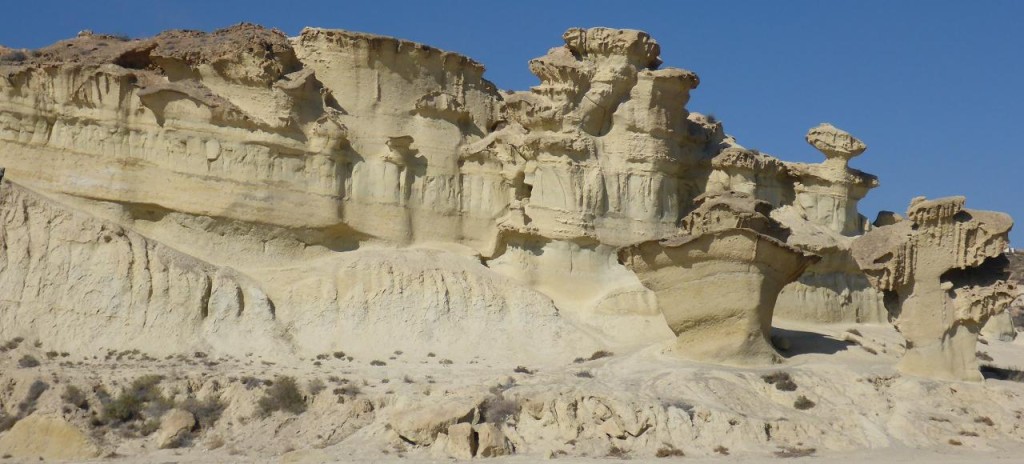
[835, 143]
[717, 283]
[945, 265]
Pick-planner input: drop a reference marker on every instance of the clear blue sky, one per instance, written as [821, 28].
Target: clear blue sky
[934, 88]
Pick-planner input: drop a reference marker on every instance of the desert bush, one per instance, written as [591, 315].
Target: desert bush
[377, 362]
[584, 375]
[339, 354]
[722, 450]
[803, 403]
[28, 361]
[616, 452]
[283, 395]
[984, 420]
[206, 411]
[148, 427]
[7, 421]
[347, 390]
[141, 399]
[316, 386]
[983, 356]
[74, 396]
[497, 409]
[668, 451]
[781, 380]
[523, 370]
[35, 390]
[15, 56]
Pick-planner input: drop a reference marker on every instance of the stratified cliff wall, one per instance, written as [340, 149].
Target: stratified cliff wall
[350, 187]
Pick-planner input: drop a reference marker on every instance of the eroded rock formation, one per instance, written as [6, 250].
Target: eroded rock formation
[717, 282]
[945, 266]
[824, 219]
[335, 189]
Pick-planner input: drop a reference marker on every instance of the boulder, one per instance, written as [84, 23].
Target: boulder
[47, 438]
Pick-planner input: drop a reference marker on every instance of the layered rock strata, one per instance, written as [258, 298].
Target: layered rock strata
[824, 219]
[356, 188]
[945, 266]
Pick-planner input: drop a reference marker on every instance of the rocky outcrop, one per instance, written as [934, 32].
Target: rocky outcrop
[944, 265]
[243, 191]
[824, 219]
[718, 282]
[87, 284]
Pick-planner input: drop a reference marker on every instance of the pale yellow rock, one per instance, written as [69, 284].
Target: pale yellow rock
[45, 437]
[421, 423]
[491, 441]
[462, 441]
[944, 264]
[717, 284]
[174, 427]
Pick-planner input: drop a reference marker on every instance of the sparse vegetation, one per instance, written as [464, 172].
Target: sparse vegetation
[15, 56]
[142, 399]
[616, 452]
[803, 403]
[669, 451]
[722, 450]
[377, 362]
[497, 409]
[584, 375]
[781, 380]
[283, 395]
[523, 370]
[74, 396]
[446, 362]
[339, 354]
[791, 452]
[315, 386]
[35, 391]
[955, 442]
[28, 361]
[206, 411]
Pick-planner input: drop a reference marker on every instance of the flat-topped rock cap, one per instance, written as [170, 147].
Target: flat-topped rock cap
[636, 45]
[834, 142]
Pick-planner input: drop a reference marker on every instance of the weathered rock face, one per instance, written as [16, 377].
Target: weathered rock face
[717, 284]
[944, 263]
[241, 191]
[824, 218]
